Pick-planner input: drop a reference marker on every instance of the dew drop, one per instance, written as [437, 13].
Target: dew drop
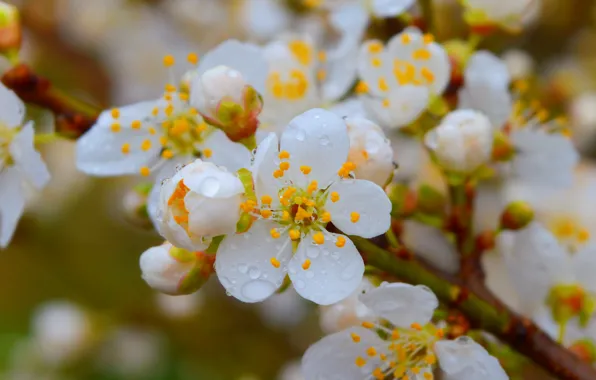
[300, 135]
[254, 273]
[312, 252]
[242, 268]
[225, 281]
[324, 140]
[257, 290]
[299, 284]
[310, 274]
[350, 271]
[210, 186]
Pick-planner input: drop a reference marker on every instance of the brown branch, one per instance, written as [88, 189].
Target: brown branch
[483, 309]
[73, 117]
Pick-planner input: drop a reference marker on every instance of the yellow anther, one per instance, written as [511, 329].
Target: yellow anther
[194, 112]
[278, 173]
[428, 75]
[416, 326]
[428, 376]
[383, 357]
[361, 87]
[266, 199]
[321, 75]
[275, 262]
[428, 38]
[284, 155]
[368, 325]
[583, 235]
[125, 148]
[422, 54]
[430, 359]
[146, 145]
[288, 192]
[386, 103]
[376, 62]
[115, 127]
[312, 187]
[169, 110]
[201, 127]
[294, 234]
[183, 96]
[115, 113]
[155, 111]
[322, 55]
[521, 85]
[168, 61]
[340, 242]
[136, 124]
[415, 370]
[360, 362]
[168, 97]
[285, 216]
[375, 47]
[371, 351]
[305, 169]
[181, 219]
[180, 127]
[274, 233]
[306, 264]
[542, 115]
[355, 337]
[266, 213]
[334, 196]
[151, 130]
[406, 39]
[326, 217]
[302, 50]
[383, 84]
[318, 238]
[284, 165]
[298, 200]
[378, 374]
[145, 171]
[354, 217]
[207, 152]
[394, 335]
[163, 140]
[302, 214]
[167, 154]
[364, 154]
[170, 88]
[192, 58]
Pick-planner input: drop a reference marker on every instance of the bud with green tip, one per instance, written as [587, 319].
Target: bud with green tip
[567, 301]
[585, 349]
[174, 270]
[135, 205]
[517, 215]
[10, 30]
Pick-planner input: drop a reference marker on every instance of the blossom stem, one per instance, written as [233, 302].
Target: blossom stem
[73, 117]
[562, 330]
[483, 310]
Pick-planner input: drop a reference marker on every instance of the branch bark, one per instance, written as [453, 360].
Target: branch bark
[73, 117]
[484, 311]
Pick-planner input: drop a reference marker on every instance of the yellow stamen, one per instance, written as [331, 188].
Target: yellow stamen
[416, 326]
[266, 199]
[145, 171]
[340, 242]
[284, 165]
[168, 61]
[275, 262]
[115, 127]
[354, 217]
[192, 58]
[146, 145]
[266, 213]
[284, 155]
[207, 152]
[376, 62]
[294, 234]
[151, 130]
[274, 233]
[136, 124]
[318, 238]
[306, 264]
[167, 154]
[334, 196]
[125, 148]
[405, 39]
[428, 38]
[375, 47]
[355, 337]
[278, 173]
[368, 325]
[360, 362]
[305, 169]
[371, 351]
[326, 217]
[361, 87]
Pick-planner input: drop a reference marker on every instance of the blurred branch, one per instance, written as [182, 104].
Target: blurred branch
[73, 117]
[484, 310]
[426, 7]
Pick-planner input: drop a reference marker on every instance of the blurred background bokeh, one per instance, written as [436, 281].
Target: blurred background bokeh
[75, 255]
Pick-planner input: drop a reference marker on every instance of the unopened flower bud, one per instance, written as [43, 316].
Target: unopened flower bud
[227, 101]
[462, 142]
[517, 215]
[585, 350]
[200, 202]
[370, 151]
[430, 200]
[503, 149]
[175, 271]
[567, 301]
[10, 29]
[135, 205]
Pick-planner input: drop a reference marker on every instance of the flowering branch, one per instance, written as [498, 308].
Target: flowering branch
[483, 309]
[73, 117]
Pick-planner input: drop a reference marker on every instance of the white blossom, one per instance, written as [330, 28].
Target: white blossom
[180, 306]
[301, 185]
[348, 312]
[359, 353]
[462, 142]
[21, 166]
[509, 13]
[399, 80]
[520, 63]
[201, 201]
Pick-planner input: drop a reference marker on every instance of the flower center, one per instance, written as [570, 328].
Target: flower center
[183, 133]
[6, 137]
[570, 233]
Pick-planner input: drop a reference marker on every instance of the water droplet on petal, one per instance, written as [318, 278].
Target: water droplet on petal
[254, 273]
[299, 284]
[312, 252]
[350, 271]
[310, 274]
[242, 268]
[300, 135]
[257, 290]
[324, 140]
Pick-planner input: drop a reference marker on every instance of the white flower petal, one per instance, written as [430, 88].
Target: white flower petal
[246, 58]
[402, 304]
[27, 159]
[431, 244]
[334, 356]
[543, 158]
[374, 65]
[484, 64]
[584, 266]
[351, 107]
[318, 139]
[99, 151]
[12, 109]
[334, 273]
[233, 156]
[390, 8]
[243, 262]
[464, 359]
[12, 203]
[265, 18]
[406, 104]
[263, 166]
[366, 199]
[489, 98]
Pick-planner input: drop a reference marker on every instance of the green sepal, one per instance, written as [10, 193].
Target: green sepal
[285, 285]
[245, 176]
[182, 255]
[193, 281]
[438, 106]
[252, 99]
[244, 223]
[228, 112]
[215, 242]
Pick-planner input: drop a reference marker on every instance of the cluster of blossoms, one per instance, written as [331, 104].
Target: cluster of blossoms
[268, 164]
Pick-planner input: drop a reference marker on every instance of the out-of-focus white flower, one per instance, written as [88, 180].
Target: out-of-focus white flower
[399, 80]
[431, 244]
[376, 8]
[181, 306]
[201, 201]
[508, 13]
[284, 310]
[520, 63]
[291, 371]
[348, 312]
[131, 352]
[61, 330]
[301, 185]
[544, 271]
[264, 19]
[462, 142]
[21, 166]
[351, 107]
[486, 88]
[582, 111]
[359, 352]
[370, 151]
[173, 270]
